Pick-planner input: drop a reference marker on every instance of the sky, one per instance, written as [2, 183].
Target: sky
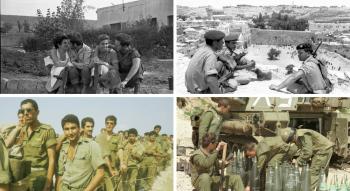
[196, 3]
[135, 112]
[29, 7]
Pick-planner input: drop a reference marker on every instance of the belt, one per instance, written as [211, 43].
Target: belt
[37, 168]
[71, 188]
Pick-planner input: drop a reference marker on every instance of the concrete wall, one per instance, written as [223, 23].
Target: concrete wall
[279, 37]
[162, 10]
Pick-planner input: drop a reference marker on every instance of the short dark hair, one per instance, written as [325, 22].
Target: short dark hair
[208, 138]
[223, 102]
[111, 118]
[87, 119]
[59, 39]
[133, 131]
[124, 39]
[248, 146]
[164, 135]
[157, 126]
[171, 136]
[152, 133]
[35, 105]
[120, 132]
[147, 133]
[102, 37]
[20, 111]
[75, 38]
[71, 119]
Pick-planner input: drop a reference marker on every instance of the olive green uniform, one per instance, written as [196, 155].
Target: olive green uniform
[312, 142]
[35, 150]
[129, 178]
[78, 173]
[159, 139]
[149, 163]
[211, 121]
[164, 160]
[205, 173]
[110, 148]
[5, 175]
[272, 149]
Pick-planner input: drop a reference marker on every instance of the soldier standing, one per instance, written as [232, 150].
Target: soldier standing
[310, 141]
[146, 136]
[115, 145]
[87, 124]
[149, 163]
[165, 148]
[211, 120]
[80, 166]
[205, 167]
[133, 152]
[5, 175]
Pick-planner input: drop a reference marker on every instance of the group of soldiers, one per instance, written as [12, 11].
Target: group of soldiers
[205, 165]
[213, 69]
[77, 160]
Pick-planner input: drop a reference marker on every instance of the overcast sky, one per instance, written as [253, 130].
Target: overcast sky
[29, 7]
[140, 113]
[196, 3]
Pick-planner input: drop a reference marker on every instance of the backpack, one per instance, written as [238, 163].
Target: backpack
[322, 66]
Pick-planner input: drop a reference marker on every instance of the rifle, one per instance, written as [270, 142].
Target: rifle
[96, 77]
[314, 53]
[64, 78]
[222, 167]
[223, 79]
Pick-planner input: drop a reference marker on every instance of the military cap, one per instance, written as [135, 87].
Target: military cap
[214, 35]
[231, 37]
[157, 126]
[305, 46]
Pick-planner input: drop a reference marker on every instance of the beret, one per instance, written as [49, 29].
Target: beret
[305, 46]
[214, 35]
[231, 37]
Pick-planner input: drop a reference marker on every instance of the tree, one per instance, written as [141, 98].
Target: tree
[273, 54]
[8, 26]
[26, 28]
[19, 26]
[72, 13]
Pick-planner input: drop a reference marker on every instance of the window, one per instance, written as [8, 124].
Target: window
[154, 21]
[170, 20]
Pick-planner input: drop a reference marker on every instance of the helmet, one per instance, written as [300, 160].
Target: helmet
[287, 134]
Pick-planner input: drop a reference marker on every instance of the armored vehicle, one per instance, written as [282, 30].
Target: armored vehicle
[252, 118]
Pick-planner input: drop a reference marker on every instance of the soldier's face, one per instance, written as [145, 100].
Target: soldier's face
[132, 138]
[164, 138]
[157, 130]
[152, 137]
[126, 134]
[231, 45]
[110, 125]
[21, 119]
[71, 131]
[251, 153]
[225, 109]
[103, 45]
[31, 116]
[219, 44]
[89, 127]
[302, 55]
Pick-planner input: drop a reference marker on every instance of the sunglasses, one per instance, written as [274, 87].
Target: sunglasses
[28, 110]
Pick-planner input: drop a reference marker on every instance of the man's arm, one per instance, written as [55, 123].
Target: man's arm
[261, 161]
[121, 159]
[306, 141]
[136, 62]
[204, 125]
[200, 161]
[59, 181]
[59, 144]
[10, 141]
[108, 163]
[51, 153]
[96, 180]
[213, 84]
[291, 79]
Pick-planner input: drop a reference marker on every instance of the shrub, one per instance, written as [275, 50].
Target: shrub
[273, 54]
[3, 30]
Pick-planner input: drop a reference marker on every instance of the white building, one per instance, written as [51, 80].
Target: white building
[315, 26]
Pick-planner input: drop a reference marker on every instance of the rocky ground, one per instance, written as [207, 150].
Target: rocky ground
[277, 67]
[184, 138]
[165, 181]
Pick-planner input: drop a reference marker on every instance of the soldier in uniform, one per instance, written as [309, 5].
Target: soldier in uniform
[5, 175]
[121, 133]
[165, 148]
[211, 120]
[146, 136]
[7, 135]
[149, 162]
[309, 72]
[133, 152]
[80, 166]
[39, 142]
[115, 145]
[310, 142]
[201, 76]
[269, 150]
[205, 167]
[87, 124]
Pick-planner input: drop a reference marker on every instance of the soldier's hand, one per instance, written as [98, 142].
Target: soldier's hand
[247, 188]
[123, 167]
[230, 161]
[273, 87]
[148, 152]
[252, 64]
[166, 148]
[294, 161]
[221, 146]
[115, 173]
[19, 127]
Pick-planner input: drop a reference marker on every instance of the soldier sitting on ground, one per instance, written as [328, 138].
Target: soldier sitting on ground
[205, 167]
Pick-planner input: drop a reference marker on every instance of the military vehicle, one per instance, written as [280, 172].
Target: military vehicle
[252, 118]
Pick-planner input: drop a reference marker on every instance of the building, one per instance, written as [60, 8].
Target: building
[161, 12]
[242, 29]
[218, 13]
[322, 26]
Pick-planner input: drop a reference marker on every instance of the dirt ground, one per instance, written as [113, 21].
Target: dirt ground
[155, 79]
[259, 54]
[184, 138]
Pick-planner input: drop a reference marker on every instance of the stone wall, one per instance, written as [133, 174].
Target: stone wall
[279, 37]
[343, 50]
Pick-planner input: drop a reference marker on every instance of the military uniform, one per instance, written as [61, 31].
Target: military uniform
[205, 173]
[35, 150]
[5, 175]
[149, 163]
[272, 149]
[78, 173]
[110, 148]
[312, 142]
[164, 160]
[211, 121]
[129, 178]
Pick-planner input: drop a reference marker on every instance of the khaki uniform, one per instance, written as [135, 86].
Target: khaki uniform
[164, 160]
[5, 175]
[78, 173]
[272, 149]
[35, 150]
[205, 173]
[312, 142]
[149, 163]
[211, 121]
[129, 178]
[110, 149]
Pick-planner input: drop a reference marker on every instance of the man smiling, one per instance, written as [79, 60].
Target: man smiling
[80, 165]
